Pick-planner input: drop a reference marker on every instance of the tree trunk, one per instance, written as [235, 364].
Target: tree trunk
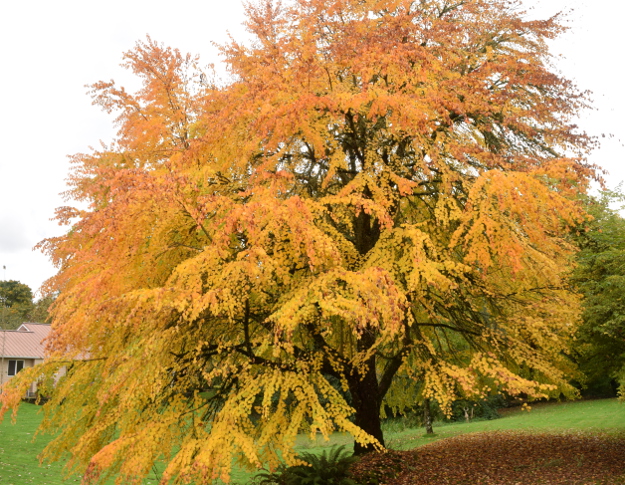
[365, 389]
[427, 416]
[366, 400]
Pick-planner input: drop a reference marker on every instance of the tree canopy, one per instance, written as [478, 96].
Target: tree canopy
[17, 305]
[600, 277]
[16, 302]
[378, 197]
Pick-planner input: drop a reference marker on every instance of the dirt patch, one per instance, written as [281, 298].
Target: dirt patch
[505, 458]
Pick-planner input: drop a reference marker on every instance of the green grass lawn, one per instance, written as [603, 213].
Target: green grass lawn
[19, 464]
[18, 453]
[601, 416]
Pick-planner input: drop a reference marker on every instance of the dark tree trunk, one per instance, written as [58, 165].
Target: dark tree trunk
[427, 417]
[365, 389]
[367, 232]
[366, 400]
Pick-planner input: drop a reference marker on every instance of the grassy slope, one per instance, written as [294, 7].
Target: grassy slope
[19, 465]
[600, 416]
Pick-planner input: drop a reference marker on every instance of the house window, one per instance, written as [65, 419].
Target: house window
[15, 366]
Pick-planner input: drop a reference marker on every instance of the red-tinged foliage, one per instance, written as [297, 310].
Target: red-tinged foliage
[376, 207]
[505, 458]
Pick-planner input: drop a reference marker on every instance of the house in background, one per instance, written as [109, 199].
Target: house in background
[21, 348]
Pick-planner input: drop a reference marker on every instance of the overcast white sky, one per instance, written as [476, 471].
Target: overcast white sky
[51, 50]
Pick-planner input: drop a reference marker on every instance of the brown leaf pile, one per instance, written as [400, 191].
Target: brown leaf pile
[379, 468]
[505, 458]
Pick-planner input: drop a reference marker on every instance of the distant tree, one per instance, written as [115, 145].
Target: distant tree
[40, 309]
[16, 302]
[427, 416]
[600, 277]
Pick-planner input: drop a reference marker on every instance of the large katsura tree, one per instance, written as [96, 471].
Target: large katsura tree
[371, 210]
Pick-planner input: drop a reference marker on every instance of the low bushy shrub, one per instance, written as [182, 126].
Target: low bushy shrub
[485, 409]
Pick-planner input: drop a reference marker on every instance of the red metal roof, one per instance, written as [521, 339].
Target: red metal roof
[26, 342]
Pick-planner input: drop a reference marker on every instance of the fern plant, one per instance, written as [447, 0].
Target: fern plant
[329, 468]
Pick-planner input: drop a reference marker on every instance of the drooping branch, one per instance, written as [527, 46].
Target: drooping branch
[394, 364]
[448, 327]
